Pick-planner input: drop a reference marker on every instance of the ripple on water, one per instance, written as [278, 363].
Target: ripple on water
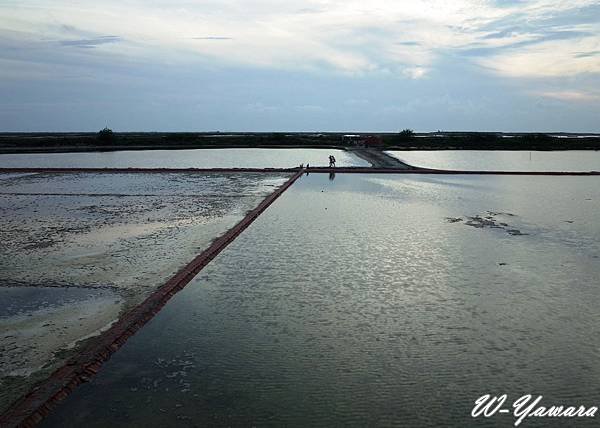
[355, 302]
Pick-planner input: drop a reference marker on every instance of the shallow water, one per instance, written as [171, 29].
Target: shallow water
[500, 160]
[115, 229]
[35, 322]
[200, 158]
[15, 301]
[374, 300]
[76, 250]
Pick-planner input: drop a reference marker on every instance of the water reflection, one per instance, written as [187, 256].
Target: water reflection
[77, 249]
[361, 304]
[200, 158]
[500, 160]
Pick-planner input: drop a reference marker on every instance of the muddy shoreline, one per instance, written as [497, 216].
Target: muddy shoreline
[73, 263]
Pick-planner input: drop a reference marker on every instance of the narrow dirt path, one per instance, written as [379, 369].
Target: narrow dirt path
[378, 158]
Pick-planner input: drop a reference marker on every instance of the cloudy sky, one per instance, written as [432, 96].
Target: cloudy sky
[290, 65]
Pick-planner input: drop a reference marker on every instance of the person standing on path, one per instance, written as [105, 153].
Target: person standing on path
[331, 161]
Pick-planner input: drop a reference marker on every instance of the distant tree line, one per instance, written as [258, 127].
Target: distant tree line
[404, 139]
[486, 141]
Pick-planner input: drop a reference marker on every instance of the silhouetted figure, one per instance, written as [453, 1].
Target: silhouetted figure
[331, 161]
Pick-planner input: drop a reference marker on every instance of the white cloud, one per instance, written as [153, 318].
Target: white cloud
[571, 96]
[415, 72]
[547, 59]
[403, 38]
[342, 35]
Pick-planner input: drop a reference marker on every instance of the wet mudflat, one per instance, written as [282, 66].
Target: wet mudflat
[502, 160]
[77, 250]
[374, 300]
[197, 158]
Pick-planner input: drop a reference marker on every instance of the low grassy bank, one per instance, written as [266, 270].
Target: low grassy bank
[70, 142]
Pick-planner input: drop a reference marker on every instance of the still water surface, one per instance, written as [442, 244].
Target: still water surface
[374, 300]
[199, 158]
[500, 160]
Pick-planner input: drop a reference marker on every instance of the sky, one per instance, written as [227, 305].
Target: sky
[289, 65]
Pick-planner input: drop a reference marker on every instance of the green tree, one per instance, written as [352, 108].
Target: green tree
[406, 134]
[106, 135]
